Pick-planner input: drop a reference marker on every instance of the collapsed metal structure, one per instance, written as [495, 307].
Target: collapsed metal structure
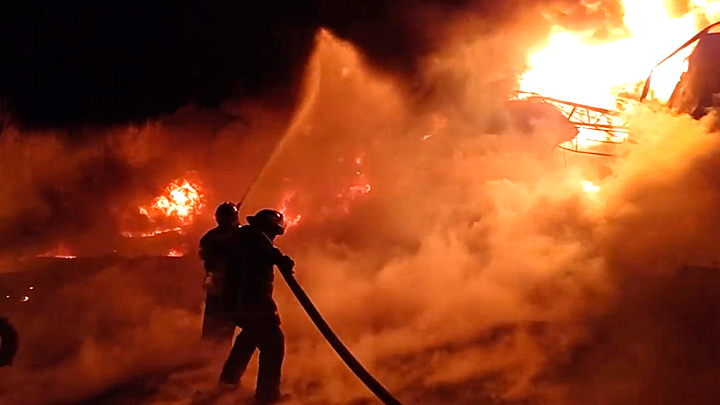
[597, 124]
[696, 93]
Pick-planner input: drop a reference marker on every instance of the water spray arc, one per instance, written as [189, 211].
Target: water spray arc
[347, 357]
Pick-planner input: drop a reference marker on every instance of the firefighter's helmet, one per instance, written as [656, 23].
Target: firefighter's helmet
[226, 214]
[268, 219]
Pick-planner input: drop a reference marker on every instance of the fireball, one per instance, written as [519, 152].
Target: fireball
[174, 209]
[181, 200]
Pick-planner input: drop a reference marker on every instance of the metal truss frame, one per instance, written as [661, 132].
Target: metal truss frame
[608, 124]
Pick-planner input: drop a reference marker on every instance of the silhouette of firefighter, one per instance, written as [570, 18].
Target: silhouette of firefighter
[218, 323]
[9, 342]
[250, 277]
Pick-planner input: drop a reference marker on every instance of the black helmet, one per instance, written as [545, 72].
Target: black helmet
[268, 219]
[226, 214]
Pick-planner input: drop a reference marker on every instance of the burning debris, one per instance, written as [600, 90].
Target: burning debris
[599, 78]
[575, 67]
[179, 205]
[61, 252]
[181, 201]
[175, 253]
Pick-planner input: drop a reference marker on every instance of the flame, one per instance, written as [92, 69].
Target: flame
[572, 68]
[362, 186]
[181, 200]
[180, 203]
[175, 253]
[290, 219]
[59, 252]
[589, 187]
[129, 234]
[359, 186]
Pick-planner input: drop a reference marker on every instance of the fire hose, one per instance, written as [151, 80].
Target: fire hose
[9, 342]
[374, 385]
[347, 357]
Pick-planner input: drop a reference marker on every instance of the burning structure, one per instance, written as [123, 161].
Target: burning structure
[600, 128]
[695, 92]
[460, 266]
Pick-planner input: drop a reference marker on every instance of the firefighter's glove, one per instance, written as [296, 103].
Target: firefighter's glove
[286, 265]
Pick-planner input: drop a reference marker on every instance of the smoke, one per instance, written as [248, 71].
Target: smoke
[479, 269]
[460, 262]
[395, 35]
[85, 193]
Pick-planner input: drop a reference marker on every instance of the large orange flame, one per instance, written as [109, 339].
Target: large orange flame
[570, 67]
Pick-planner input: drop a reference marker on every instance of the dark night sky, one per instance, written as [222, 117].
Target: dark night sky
[67, 65]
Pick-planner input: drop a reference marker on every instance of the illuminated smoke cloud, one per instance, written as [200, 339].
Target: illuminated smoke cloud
[461, 266]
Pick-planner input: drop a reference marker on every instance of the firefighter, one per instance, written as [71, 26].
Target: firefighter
[9, 342]
[214, 249]
[250, 277]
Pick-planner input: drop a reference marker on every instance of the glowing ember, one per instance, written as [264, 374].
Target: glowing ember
[353, 185]
[358, 190]
[152, 233]
[60, 252]
[589, 187]
[438, 123]
[573, 69]
[175, 253]
[361, 187]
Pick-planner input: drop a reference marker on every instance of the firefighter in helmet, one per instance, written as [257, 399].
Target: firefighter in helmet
[250, 279]
[214, 250]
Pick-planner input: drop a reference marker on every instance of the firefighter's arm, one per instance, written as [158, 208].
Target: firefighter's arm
[203, 251]
[208, 254]
[284, 263]
[206, 257]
